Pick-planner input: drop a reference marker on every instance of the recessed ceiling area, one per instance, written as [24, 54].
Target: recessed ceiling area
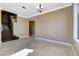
[29, 9]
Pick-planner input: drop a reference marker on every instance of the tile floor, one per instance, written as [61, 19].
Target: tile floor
[11, 47]
[41, 48]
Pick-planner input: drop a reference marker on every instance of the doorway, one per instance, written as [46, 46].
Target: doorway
[31, 28]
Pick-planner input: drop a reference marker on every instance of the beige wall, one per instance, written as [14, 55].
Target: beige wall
[55, 25]
[21, 27]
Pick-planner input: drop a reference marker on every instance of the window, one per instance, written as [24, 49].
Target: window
[78, 21]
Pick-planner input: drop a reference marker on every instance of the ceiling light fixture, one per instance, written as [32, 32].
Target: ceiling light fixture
[24, 7]
[40, 8]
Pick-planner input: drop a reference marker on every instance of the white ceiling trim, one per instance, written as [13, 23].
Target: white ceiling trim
[54, 9]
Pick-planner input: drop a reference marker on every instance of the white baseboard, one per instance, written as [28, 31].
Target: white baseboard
[75, 48]
[74, 52]
[24, 37]
[58, 42]
[53, 41]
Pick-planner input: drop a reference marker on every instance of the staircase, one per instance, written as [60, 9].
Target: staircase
[7, 34]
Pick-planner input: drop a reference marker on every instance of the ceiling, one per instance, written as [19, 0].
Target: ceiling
[30, 8]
